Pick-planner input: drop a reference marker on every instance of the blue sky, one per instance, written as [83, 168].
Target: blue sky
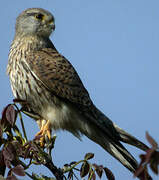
[114, 47]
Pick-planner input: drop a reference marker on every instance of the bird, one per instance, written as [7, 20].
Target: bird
[53, 91]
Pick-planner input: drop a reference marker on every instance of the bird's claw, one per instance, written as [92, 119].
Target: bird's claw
[45, 131]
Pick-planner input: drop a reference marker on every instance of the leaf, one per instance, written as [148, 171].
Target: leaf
[151, 140]
[11, 177]
[7, 163]
[18, 146]
[141, 171]
[7, 153]
[141, 167]
[18, 170]
[144, 175]
[84, 169]
[109, 174]
[154, 162]
[88, 156]
[3, 120]
[154, 167]
[2, 164]
[151, 157]
[9, 115]
[98, 169]
[30, 148]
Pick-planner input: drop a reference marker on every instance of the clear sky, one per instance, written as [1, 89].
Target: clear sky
[114, 47]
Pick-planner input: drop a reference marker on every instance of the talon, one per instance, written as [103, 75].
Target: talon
[44, 130]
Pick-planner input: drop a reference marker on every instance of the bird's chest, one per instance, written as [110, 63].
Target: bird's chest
[40, 100]
[27, 87]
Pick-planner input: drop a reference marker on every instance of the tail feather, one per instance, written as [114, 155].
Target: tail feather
[101, 130]
[115, 148]
[129, 139]
[121, 154]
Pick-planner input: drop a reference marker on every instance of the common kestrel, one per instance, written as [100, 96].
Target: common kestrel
[50, 85]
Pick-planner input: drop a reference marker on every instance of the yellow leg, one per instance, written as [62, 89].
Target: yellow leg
[45, 129]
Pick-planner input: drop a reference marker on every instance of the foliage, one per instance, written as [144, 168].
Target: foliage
[150, 159]
[15, 149]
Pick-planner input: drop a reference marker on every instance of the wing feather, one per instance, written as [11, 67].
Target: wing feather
[58, 75]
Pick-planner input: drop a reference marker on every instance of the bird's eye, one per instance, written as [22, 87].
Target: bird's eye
[39, 16]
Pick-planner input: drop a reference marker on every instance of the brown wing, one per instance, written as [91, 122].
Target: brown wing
[58, 75]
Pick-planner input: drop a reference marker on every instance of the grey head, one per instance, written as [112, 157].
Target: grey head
[35, 21]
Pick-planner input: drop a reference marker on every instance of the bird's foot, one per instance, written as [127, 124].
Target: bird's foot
[45, 132]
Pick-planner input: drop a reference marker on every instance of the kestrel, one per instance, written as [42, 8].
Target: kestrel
[50, 85]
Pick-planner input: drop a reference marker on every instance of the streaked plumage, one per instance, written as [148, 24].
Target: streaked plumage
[53, 90]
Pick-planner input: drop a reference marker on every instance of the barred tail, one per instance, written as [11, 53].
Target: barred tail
[114, 147]
[101, 130]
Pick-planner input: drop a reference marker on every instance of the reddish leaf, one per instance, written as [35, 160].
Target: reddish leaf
[151, 140]
[7, 163]
[149, 154]
[8, 154]
[17, 146]
[9, 114]
[2, 164]
[109, 174]
[144, 175]
[12, 177]
[141, 167]
[98, 169]
[3, 120]
[29, 149]
[151, 157]
[154, 162]
[88, 156]
[141, 171]
[18, 170]
[84, 169]
[154, 167]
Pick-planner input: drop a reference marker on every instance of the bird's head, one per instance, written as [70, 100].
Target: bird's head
[35, 21]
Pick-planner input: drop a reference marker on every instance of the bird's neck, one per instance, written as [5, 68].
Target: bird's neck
[31, 43]
[23, 45]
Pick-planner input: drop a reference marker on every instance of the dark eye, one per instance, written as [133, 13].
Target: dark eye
[39, 16]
